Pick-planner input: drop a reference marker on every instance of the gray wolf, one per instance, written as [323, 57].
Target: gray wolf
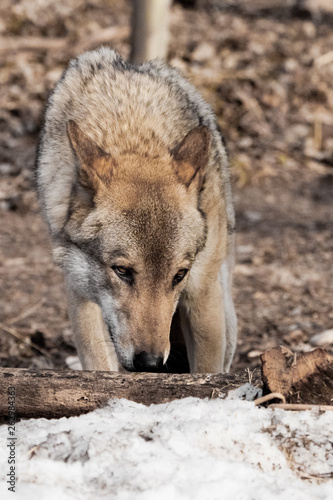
[134, 185]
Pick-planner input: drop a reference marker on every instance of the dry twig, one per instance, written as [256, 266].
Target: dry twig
[324, 59]
[300, 407]
[28, 342]
[269, 397]
[27, 312]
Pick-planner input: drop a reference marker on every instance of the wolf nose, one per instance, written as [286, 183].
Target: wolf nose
[146, 362]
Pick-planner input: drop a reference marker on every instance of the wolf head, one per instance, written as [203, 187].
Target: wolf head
[132, 235]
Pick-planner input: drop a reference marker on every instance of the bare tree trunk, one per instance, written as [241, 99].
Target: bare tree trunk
[150, 33]
[54, 394]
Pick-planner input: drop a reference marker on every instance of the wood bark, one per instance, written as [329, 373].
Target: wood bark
[54, 394]
[300, 377]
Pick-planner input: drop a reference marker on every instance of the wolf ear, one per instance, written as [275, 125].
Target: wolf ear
[95, 164]
[191, 156]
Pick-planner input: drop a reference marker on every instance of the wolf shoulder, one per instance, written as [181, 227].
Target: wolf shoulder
[100, 85]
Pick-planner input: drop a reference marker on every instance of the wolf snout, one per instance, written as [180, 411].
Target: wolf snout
[147, 362]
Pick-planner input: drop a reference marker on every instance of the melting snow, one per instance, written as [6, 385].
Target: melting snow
[188, 449]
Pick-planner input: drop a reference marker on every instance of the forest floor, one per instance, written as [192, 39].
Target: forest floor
[267, 71]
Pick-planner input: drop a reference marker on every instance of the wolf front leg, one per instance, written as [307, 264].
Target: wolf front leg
[225, 278]
[92, 339]
[209, 329]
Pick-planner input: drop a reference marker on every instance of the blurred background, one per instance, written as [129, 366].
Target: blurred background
[266, 68]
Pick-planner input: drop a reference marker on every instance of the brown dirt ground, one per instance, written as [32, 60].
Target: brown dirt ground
[262, 69]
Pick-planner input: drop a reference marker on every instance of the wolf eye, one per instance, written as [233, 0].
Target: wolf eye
[124, 273]
[179, 276]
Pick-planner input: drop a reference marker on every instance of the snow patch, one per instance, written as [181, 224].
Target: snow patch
[187, 449]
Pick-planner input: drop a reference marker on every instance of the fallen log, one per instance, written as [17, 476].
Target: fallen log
[305, 378]
[105, 36]
[55, 394]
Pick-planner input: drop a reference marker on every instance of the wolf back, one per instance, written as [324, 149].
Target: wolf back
[106, 109]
